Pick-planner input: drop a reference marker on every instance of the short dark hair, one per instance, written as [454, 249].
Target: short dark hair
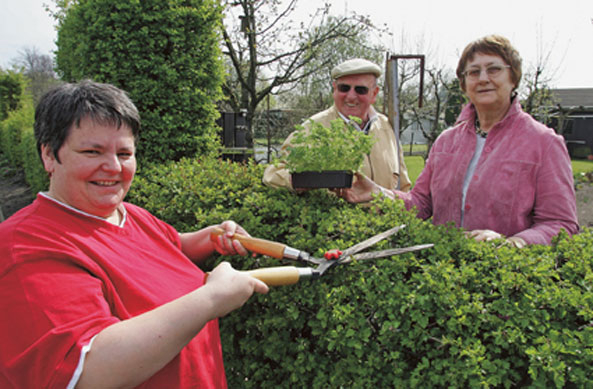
[66, 105]
[493, 45]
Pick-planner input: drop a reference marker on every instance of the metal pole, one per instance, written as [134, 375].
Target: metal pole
[268, 130]
[393, 106]
[392, 81]
[395, 94]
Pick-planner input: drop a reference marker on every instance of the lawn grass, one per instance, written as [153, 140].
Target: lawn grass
[414, 148]
[582, 166]
[415, 164]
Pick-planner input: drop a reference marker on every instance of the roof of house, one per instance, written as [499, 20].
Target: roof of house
[574, 97]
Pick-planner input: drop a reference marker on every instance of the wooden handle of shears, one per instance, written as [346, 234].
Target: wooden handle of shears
[276, 276]
[255, 245]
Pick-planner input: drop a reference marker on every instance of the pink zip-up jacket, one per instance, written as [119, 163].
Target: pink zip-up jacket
[522, 186]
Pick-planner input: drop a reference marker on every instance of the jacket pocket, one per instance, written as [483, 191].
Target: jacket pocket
[446, 180]
[511, 183]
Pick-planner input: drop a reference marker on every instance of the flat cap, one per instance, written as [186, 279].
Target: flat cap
[355, 66]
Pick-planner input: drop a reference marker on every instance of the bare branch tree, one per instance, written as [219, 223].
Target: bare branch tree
[443, 100]
[39, 70]
[535, 92]
[269, 53]
[429, 119]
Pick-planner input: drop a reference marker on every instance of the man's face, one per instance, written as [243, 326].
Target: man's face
[352, 103]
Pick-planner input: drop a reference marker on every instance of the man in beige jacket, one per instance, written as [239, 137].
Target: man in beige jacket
[355, 89]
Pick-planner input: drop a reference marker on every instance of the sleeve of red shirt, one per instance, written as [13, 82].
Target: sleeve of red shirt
[55, 308]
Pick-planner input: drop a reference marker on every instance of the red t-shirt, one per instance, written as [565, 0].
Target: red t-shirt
[65, 276]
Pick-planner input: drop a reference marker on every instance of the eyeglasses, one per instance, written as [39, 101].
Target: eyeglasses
[491, 71]
[359, 89]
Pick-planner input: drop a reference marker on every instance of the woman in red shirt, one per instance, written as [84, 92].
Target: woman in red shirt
[94, 291]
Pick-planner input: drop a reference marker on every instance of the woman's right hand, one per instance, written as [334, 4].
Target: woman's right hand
[229, 289]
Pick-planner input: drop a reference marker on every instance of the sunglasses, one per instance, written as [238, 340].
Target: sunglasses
[359, 89]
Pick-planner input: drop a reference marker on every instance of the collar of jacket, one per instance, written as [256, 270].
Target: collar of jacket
[372, 117]
[469, 114]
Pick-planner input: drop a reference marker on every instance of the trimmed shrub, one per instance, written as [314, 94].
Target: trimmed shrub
[12, 87]
[17, 142]
[165, 54]
[11, 131]
[35, 174]
[461, 314]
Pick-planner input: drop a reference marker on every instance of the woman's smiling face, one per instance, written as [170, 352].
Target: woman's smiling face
[96, 168]
[488, 92]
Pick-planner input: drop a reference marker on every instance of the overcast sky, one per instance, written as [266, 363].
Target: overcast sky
[444, 27]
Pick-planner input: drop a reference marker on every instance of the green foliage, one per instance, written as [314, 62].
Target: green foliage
[582, 173]
[319, 148]
[17, 142]
[35, 174]
[164, 53]
[11, 130]
[12, 86]
[461, 314]
[189, 191]
[455, 100]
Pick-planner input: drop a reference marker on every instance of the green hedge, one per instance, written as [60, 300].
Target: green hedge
[17, 142]
[164, 53]
[11, 131]
[462, 314]
[35, 174]
[12, 87]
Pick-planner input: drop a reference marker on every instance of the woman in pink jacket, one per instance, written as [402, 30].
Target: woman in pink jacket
[498, 173]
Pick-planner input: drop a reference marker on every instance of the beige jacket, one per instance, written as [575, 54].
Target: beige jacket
[381, 165]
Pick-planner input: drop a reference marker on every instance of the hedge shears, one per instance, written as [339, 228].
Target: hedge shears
[287, 275]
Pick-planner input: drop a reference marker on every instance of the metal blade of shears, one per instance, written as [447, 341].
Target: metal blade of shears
[386, 253]
[368, 243]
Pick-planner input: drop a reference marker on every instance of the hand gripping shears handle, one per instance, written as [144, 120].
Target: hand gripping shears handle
[273, 276]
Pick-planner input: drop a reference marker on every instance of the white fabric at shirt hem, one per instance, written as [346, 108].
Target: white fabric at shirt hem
[79, 367]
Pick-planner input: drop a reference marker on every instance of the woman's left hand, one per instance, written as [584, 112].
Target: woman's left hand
[484, 235]
[225, 245]
[487, 235]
